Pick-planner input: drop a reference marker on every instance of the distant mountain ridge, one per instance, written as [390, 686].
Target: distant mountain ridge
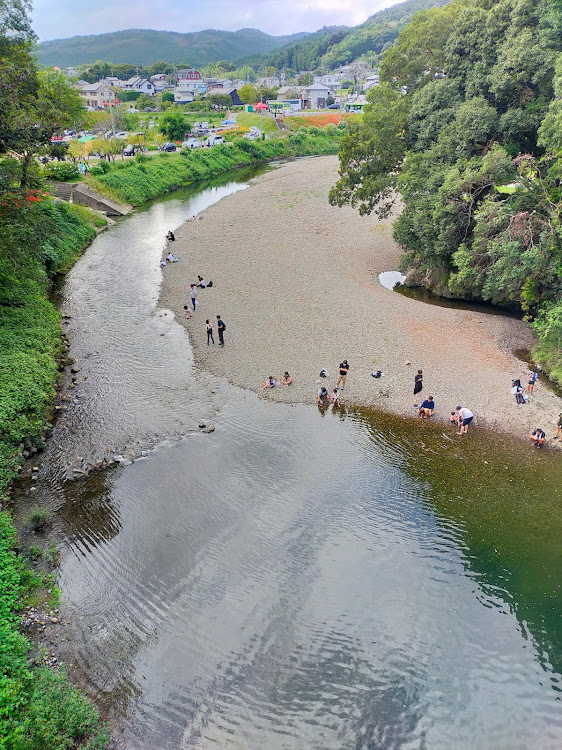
[146, 46]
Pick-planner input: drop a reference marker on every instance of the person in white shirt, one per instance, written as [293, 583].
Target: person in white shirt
[465, 418]
[194, 296]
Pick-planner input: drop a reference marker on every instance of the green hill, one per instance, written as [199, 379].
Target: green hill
[146, 46]
[329, 48]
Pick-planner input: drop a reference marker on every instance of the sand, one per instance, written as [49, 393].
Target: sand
[296, 282]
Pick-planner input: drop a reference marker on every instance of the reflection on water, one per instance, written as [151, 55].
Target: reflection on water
[389, 279]
[292, 580]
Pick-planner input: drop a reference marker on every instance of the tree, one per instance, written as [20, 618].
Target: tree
[167, 96]
[174, 125]
[53, 106]
[248, 94]
[371, 153]
[220, 100]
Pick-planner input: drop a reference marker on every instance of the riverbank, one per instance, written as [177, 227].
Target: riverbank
[142, 179]
[296, 282]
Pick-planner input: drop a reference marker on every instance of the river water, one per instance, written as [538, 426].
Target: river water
[295, 579]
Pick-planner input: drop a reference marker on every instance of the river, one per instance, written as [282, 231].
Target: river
[296, 578]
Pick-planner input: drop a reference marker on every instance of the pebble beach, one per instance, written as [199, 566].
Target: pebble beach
[296, 282]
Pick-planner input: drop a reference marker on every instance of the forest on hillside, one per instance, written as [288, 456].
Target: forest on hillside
[328, 48]
[467, 128]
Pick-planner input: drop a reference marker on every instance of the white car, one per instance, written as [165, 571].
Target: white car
[215, 140]
[191, 143]
[121, 134]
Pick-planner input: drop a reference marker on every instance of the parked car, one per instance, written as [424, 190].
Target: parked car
[191, 143]
[121, 134]
[129, 150]
[168, 147]
[215, 140]
[150, 109]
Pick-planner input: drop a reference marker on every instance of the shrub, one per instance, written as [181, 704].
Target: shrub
[34, 552]
[39, 709]
[37, 519]
[63, 171]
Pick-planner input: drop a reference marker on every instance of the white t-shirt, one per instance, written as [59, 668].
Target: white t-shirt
[193, 293]
[465, 413]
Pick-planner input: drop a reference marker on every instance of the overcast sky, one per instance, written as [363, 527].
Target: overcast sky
[56, 19]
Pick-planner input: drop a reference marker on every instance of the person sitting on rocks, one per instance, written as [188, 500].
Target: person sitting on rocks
[537, 437]
[286, 380]
[170, 236]
[427, 407]
[270, 383]
[171, 258]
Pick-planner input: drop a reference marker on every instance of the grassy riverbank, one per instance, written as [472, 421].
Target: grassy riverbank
[39, 237]
[146, 178]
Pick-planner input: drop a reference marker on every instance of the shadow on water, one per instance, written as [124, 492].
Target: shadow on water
[425, 295]
[505, 500]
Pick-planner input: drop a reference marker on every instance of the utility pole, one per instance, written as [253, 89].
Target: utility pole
[261, 116]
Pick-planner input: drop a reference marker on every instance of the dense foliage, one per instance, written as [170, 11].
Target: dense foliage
[39, 710]
[147, 46]
[149, 177]
[467, 128]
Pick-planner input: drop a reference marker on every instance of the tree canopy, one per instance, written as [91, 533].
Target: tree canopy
[466, 128]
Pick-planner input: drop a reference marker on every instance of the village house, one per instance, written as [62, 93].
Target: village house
[332, 80]
[314, 96]
[268, 82]
[95, 95]
[288, 92]
[190, 80]
[229, 90]
[371, 80]
[183, 95]
[136, 83]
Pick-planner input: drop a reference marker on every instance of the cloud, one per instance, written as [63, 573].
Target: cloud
[57, 19]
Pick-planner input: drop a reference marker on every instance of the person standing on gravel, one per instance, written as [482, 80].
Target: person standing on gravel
[418, 384]
[209, 332]
[194, 296]
[344, 369]
[221, 329]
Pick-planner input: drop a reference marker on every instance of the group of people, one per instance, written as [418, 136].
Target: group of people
[462, 416]
[221, 328]
[286, 381]
[323, 397]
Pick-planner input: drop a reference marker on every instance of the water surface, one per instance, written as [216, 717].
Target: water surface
[296, 579]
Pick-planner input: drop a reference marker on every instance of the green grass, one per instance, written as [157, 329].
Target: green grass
[39, 709]
[37, 242]
[146, 178]
[248, 119]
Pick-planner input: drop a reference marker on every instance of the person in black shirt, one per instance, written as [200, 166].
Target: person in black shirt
[221, 329]
[344, 369]
[418, 384]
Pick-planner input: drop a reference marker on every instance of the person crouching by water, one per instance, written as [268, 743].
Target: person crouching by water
[270, 383]
[427, 408]
[465, 418]
[335, 398]
[286, 380]
[170, 236]
[323, 397]
[537, 437]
